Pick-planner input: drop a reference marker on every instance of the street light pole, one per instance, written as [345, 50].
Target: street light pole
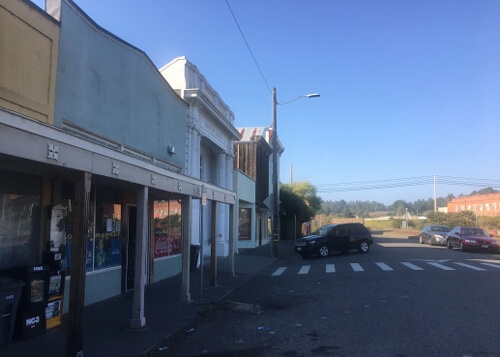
[276, 189]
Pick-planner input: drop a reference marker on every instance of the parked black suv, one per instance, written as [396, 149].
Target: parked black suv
[335, 237]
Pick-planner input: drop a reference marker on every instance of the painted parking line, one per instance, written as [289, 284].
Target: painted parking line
[384, 266]
[304, 269]
[440, 266]
[411, 266]
[470, 266]
[279, 271]
[330, 268]
[492, 265]
[356, 267]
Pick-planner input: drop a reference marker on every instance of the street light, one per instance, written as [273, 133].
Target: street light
[276, 225]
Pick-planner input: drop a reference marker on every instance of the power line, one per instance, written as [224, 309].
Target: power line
[248, 46]
[407, 182]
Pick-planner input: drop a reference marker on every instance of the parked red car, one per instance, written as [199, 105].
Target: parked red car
[471, 238]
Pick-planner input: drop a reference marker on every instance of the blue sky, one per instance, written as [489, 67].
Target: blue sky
[408, 88]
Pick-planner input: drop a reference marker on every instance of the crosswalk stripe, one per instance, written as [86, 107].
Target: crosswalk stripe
[492, 265]
[384, 266]
[356, 267]
[470, 266]
[411, 266]
[304, 269]
[279, 271]
[440, 266]
[330, 268]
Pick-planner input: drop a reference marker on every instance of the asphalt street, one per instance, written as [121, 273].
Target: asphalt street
[401, 299]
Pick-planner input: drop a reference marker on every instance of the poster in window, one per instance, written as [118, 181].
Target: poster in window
[167, 245]
[57, 228]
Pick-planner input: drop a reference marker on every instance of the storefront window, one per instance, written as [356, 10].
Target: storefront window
[104, 242]
[107, 236]
[168, 236]
[244, 224]
[19, 219]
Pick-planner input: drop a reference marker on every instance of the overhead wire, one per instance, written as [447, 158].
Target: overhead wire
[406, 182]
[248, 46]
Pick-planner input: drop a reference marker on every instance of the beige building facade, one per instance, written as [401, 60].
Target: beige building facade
[28, 60]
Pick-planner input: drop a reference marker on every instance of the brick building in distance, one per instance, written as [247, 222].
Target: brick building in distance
[482, 205]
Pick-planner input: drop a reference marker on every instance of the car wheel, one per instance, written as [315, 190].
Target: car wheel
[462, 248]
[448, 244]
[364, 247]
[430, 241]
[421, 240]
[324, 251]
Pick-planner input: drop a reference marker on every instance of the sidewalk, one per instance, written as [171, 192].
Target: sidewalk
[106, 324]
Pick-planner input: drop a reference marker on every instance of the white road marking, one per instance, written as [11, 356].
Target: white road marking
[470, 266]
[279, 271]
[433, 260]
[304, 269]
[384, 266]
[411, 266]
[356, 267]
[492, 265]
[440, 266]
[330, 268]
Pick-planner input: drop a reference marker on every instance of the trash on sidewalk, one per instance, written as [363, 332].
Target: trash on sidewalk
[243, 307]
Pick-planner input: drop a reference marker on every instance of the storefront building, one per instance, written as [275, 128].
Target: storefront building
[92, 157]
[210, 137]
[246, 210]
[27, 87]
[253, 157]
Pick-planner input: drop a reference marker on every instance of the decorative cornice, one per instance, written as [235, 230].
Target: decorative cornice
[193, 125]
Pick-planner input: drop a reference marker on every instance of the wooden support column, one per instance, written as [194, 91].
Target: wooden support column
[74, 338]
[186, 249]
[213, 245]
[232, 238]
[138, 319]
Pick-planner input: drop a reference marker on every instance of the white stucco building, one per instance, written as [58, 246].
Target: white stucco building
[209, 141]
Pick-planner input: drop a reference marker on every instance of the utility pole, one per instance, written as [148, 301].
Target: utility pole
[276, 188]
[276, 199]
[435, 198]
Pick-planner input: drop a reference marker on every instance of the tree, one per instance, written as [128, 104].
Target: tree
[307, 193]
[437, 218]
[299, 204]
[399, 207]
[484, 191]
[464, 218]
[292, 206]
[346, 213]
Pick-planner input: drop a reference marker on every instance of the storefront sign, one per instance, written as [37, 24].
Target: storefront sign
[167, 245]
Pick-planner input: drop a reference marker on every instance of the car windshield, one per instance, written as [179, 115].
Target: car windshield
[440, 229]
[322, 231]
[474, 232]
